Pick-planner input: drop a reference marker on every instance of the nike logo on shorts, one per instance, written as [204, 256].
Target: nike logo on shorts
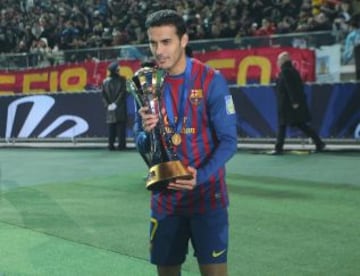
[217, 254]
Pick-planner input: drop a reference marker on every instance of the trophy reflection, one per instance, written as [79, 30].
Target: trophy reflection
[164, 165]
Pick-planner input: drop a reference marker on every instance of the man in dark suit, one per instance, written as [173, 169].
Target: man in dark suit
[292, 106]
[114, 96]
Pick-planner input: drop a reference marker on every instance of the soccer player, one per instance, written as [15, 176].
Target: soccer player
[199, 112]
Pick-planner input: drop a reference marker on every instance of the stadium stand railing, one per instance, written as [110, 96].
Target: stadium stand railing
[310, 40]
[313, 40]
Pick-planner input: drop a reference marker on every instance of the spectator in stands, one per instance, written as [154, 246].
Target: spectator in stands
[83, 24]
[316, 6]
[292, 106]
[285, 25]
[267, 28]
[304, 19]
[42, 53]
[319, 22]
[352, 46]
[230, 28]
[342, 18]
[289, 8]
[253, 28]
[351, 40]
[256, 8]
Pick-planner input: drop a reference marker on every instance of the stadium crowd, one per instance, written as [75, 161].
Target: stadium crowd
[50, 25]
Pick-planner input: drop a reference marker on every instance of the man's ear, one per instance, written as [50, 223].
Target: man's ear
[184, 40]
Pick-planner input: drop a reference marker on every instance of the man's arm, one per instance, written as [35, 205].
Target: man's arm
[105, 92]
[222, 117]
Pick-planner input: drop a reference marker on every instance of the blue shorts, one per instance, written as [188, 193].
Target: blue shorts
[208, 233]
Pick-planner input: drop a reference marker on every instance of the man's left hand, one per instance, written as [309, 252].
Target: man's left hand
[183, 184]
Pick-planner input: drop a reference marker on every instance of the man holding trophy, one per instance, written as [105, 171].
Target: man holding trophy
[186, 124]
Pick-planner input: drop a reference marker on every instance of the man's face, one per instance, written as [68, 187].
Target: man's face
[281, 59]
[167, 48]
[278, 62]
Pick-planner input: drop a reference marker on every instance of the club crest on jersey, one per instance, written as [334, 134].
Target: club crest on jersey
[196, 96]
[230, 108]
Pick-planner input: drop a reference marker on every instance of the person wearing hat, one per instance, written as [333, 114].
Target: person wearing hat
[114, 97]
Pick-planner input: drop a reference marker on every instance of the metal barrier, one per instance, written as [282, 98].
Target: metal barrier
[141, 52]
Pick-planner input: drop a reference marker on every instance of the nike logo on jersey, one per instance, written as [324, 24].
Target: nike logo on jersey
[217, 254]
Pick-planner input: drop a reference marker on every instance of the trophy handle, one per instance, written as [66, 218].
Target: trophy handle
[131, 88]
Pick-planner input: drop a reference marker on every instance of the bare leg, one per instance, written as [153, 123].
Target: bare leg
[214, 270]
[169, 270]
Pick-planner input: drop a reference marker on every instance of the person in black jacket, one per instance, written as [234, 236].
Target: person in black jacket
[114, 96]
[292, 106]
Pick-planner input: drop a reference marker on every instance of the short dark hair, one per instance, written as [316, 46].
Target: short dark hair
[113, 67]
[167, 17]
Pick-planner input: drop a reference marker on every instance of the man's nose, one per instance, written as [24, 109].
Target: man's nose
[159, 49]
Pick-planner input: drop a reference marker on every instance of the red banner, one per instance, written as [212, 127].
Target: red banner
[62, 78]
[238, 66]
[258, 65]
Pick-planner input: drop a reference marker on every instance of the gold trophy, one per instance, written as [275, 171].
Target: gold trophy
[164, 166]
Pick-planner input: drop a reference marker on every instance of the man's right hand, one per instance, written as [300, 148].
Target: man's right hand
[149, 120]
[112, 106]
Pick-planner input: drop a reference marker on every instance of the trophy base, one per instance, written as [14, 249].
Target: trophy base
[161, 174]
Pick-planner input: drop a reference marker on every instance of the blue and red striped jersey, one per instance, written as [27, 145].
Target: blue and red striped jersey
[201, 110]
